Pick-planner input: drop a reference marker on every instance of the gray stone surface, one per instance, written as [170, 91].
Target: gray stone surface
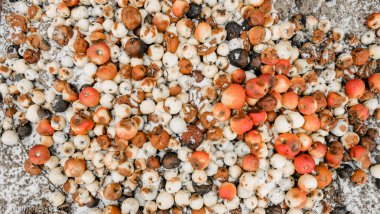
[348, 14]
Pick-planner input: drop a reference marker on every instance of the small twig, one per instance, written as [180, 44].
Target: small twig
[100, 186]
[43, 172]
[9, 156]
[359, 126]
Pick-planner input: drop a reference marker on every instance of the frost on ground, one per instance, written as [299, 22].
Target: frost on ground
[21, 193]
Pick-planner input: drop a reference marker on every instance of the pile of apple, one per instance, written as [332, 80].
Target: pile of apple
[184, 106]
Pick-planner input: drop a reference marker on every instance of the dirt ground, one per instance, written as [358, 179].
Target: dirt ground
[20, 193]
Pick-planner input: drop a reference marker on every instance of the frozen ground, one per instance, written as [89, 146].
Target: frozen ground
[20, 193]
